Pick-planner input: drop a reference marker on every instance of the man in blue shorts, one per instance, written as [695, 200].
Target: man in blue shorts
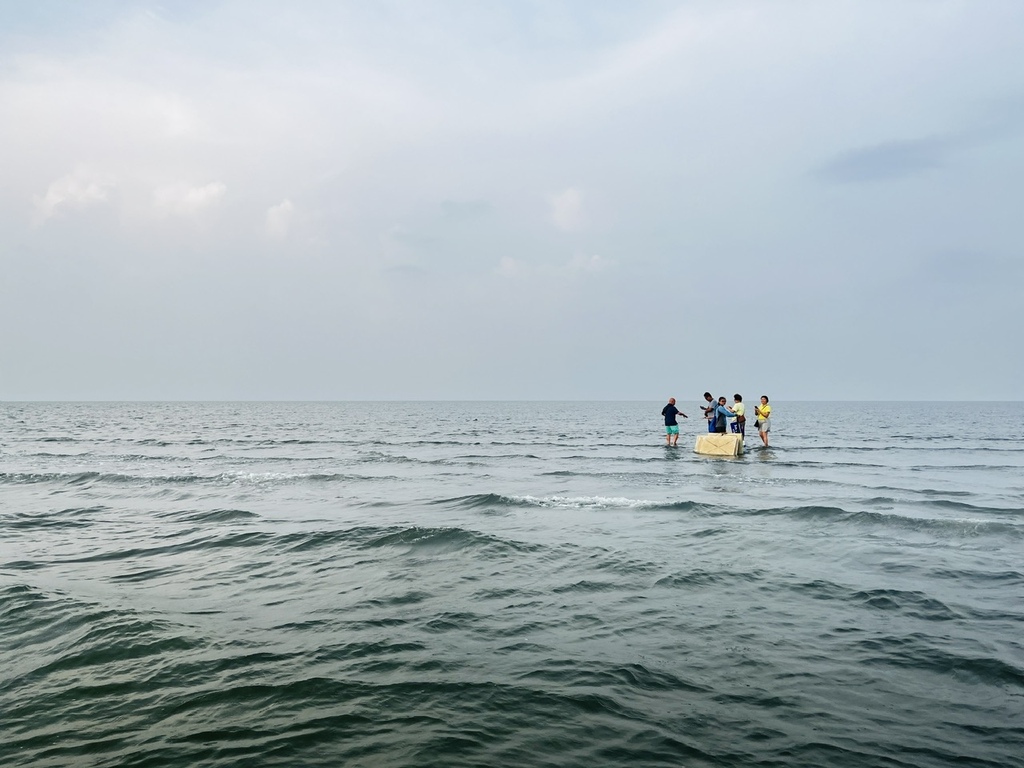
[671, 426]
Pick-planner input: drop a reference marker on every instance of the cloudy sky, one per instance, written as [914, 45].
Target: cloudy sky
[511, 200]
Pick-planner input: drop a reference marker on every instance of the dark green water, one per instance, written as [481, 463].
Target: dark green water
[484, 584]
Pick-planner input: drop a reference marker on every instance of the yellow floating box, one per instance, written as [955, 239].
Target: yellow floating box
[719, 445]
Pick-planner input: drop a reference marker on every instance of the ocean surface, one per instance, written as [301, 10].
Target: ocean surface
[508, 584]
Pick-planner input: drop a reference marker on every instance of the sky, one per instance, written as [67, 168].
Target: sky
[542, 199]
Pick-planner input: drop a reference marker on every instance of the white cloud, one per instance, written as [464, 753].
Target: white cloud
[181, 199]
[509, 267]
[177, 117]
[279, 219]
[567, 209]
[593, 263]
[580, 264]
[78, 189]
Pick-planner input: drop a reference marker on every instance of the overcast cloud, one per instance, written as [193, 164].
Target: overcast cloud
[511, 200]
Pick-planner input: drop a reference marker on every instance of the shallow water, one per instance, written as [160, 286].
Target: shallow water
[470, 584]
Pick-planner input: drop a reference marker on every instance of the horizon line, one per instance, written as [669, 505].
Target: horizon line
[463, 400]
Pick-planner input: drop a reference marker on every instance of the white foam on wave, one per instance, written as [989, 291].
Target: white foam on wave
[585, 502]
[260, 478]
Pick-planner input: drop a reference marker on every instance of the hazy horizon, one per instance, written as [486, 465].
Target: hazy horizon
[680, 401]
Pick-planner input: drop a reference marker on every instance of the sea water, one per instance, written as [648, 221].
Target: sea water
[523, 584]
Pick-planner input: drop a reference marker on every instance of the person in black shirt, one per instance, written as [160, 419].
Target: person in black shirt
[671, 426]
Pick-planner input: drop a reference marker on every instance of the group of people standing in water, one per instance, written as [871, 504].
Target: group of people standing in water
[720, 417]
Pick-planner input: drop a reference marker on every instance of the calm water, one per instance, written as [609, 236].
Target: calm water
[522, 584]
